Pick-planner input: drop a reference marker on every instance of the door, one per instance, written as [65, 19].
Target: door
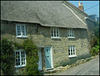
[40, 61]
[48, 57]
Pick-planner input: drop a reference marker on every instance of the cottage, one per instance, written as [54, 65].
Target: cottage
[54, 26]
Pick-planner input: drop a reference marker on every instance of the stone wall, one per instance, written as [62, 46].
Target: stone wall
[41, 37]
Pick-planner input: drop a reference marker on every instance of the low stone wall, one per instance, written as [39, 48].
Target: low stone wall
[61, 68]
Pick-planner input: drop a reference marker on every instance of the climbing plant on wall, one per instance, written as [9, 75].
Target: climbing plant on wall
[7, 57]
[32, 58]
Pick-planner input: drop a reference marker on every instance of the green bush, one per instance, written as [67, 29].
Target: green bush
[7, 57]
[31, 57]
[17, 46]
[95, 50]
[94, 41]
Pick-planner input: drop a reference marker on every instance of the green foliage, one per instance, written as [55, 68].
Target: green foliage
[31, 57]
[95, 49]
[94, 41]
[96, 31]
[7, 57]
[17, 46]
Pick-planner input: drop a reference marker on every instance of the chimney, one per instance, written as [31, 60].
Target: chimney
[81, 7]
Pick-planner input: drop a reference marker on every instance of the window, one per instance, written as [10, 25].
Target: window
[55, 33]
[20, 30]
[70, 33]
[71, 51]
[20, 58]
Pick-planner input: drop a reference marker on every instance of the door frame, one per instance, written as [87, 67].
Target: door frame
[51, 57]
[40, 62]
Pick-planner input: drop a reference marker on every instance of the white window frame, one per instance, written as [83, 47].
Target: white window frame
[21, 30]
[71, 48]
[20, 58]
[55, 31]
[70, 33]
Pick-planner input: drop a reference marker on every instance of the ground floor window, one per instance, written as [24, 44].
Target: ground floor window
[71, 51]
[20, 58]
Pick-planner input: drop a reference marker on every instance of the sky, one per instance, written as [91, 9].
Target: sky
[90, 7]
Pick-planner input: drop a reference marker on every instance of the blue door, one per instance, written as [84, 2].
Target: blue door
[48, 57]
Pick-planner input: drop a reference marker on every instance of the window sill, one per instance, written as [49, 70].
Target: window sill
[55, 37]
[71, 37]
[21, 36]
[72, 56]
[20, 66]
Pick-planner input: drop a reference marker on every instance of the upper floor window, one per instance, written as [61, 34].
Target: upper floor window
[55, 33]
[20, 30]
[70, 33]
[71, 51]
[20, 58]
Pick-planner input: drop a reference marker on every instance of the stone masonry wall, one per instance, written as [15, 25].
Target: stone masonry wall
[41, 37]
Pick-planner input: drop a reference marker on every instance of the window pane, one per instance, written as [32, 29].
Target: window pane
[18, 30]
[22, 57]
[69, 50]
[17, 55]
[74, 50]
[23, 30]
[17, 58]
[70, 32]
[18, 63]
[57, 33]
[22, 27]
[54, 33]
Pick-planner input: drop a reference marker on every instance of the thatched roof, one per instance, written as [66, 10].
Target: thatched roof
[46, 13]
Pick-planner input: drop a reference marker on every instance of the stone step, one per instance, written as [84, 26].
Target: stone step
[50, 71]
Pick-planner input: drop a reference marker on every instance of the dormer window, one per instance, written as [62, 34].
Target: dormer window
[70, 33]
[20, 30]
[55, 33]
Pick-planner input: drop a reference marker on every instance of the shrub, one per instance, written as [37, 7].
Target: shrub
[7, 57]
[31, 57]
[93, 41]
[95, 50]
